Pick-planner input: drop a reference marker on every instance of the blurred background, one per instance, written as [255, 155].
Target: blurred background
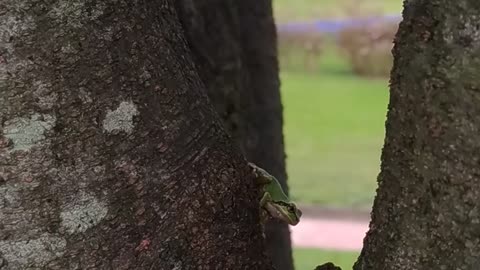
[335, 59]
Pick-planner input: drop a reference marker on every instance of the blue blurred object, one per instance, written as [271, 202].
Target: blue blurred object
[333, 26]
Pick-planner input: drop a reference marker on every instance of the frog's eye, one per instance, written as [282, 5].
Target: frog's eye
[290, 206]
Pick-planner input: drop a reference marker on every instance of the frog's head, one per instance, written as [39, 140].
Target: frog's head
[286, 211]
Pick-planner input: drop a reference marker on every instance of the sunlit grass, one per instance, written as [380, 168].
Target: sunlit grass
[334, 129]
[308, 259]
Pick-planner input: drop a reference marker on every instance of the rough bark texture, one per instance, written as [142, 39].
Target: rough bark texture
[111, 156]
[234, 44]
[427, 211]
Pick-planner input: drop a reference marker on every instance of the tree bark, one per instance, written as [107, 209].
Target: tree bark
[111, 155]
[426, 212]
[235, 49]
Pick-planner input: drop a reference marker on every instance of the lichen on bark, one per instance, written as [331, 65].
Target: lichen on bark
[120, 119]
[154, 183]
[24, 133]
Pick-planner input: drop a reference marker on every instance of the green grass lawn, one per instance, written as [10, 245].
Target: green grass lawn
[308, 259]
[292, 10]
[334, 131]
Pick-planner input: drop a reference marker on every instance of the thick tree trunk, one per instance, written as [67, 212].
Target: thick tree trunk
[234, 44]
[426, 214]
[111, 156]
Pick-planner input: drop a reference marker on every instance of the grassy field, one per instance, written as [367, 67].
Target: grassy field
[285, 10]
[334, 130]
[308, 259]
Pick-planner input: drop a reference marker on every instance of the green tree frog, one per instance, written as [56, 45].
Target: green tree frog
[274, 203]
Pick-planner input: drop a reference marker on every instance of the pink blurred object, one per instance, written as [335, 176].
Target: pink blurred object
[329, 234]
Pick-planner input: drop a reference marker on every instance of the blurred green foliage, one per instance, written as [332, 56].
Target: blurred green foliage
[288, 10]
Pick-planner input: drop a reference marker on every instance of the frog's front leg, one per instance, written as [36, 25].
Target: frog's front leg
[266, 198]
[261, 176]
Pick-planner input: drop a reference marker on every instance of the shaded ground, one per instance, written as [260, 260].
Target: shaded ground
[332, 213]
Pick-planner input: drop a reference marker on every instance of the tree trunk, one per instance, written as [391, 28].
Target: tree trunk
[234, 45]
[426, 214]
[111, 155]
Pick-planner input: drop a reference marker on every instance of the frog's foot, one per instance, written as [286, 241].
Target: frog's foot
[261, 176]
[263, 215]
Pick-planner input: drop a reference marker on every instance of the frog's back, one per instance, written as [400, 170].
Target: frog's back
[276, 191]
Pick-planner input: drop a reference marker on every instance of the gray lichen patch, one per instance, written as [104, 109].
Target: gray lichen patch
[10, 197]
[46, 98]
[13, 25]
[84, 95]
[33, 252]
[177, 266]
[121, 119]
[25, 133]
[84, 212]
[76, 12]
[465, 27]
